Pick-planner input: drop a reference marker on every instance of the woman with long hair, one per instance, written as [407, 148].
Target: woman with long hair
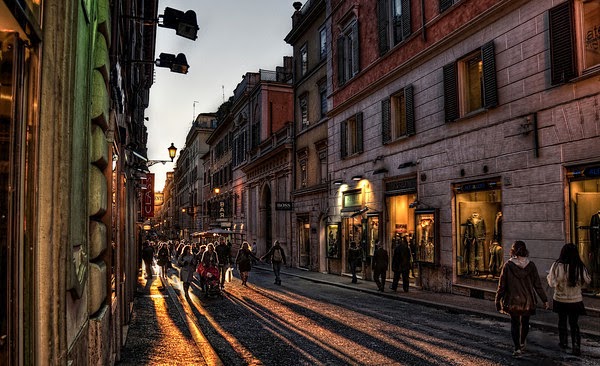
[567, 276]
[244, 260]
[518, 284]
[187, 266]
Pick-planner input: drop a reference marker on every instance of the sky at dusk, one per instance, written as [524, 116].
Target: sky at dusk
[235, 37]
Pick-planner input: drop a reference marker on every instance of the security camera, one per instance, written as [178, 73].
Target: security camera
[413, 204]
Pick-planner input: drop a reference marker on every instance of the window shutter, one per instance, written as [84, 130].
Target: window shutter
[340, 61]
[490, 90]
[355, 50]
[344, 139]
[409, 99]
[383, 26]
[386, 127]
[562, 53]
[359, 132]
[445, 4]
[450, 92]
[406, 29]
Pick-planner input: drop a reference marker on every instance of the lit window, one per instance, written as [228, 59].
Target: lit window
[351, 135]
[303, 60]
[470, 83]
[348, 53]
[322, 43]
[393, 23]
[304, 111]
[574, 39]
[397, 115]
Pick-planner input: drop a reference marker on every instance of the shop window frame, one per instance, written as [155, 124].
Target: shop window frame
[567, 36]
[431, 216]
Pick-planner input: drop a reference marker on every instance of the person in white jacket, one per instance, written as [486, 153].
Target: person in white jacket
[567, 276]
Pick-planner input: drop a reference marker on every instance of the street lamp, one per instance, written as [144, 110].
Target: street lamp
[184, 24]
[177, 63]
[172, 152]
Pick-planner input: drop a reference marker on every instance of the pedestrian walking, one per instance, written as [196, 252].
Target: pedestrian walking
[187, 266]
[148, 258]
[163, 259]
[519, 282]
[401, 264]
[224, 260]
[277, 256]
[244, 260]
[380, 264]
[354, 260]
[567, 276]
[254, 249]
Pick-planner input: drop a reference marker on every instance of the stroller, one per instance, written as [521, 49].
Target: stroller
[209, 277]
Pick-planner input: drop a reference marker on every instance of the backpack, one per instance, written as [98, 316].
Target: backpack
[277, 255]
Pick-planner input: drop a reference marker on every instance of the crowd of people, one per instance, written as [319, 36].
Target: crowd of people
[200, 258]
[519, 285]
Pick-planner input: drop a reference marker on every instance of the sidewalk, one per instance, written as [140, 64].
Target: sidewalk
[160, 333]
[543, 319]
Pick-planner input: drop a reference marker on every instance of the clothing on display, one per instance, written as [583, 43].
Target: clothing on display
[426, 246]
[496, 258]
[473, 241]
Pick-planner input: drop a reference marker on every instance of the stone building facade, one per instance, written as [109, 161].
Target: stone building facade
[462, 126]
[311, 180]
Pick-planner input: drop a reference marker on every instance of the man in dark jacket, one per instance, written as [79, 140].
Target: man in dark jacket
[380, 265]
[401, 264]
[148, 257]
[277, 256]
[354, 259]
[224, 257]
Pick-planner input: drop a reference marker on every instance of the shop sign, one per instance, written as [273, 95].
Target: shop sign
[222, 209]
[478, 186]
[148, 197]
[401, 186]
[352, 198]
[283, 206]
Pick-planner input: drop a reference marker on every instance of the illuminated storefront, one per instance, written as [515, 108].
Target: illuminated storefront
[584, 216]
[478, 225]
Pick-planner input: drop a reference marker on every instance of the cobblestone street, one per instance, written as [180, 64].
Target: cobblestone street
[310, 323]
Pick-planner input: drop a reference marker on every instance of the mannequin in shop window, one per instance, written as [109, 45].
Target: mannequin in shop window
[594, 254]
[496, 258]
[472, 244]
[498, 227]
[426, 242]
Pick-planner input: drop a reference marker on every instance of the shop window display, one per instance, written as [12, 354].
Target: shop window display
[424, 246]
[333, 241]
[584, 192]
[479, 250]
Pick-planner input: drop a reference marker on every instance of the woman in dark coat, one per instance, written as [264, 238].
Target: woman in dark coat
[244, 260]
[519, 283]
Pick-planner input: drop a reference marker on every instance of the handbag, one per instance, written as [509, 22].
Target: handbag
[229, 274]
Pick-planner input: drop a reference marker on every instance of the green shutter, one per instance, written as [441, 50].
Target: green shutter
[343, 139]
[450, 92]
[355, 49]
[340, 61]
[386, 126]
[359, 132]
[562, 52]
[409, 99]
[383, 26]
[490, 89]
[406, 29]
